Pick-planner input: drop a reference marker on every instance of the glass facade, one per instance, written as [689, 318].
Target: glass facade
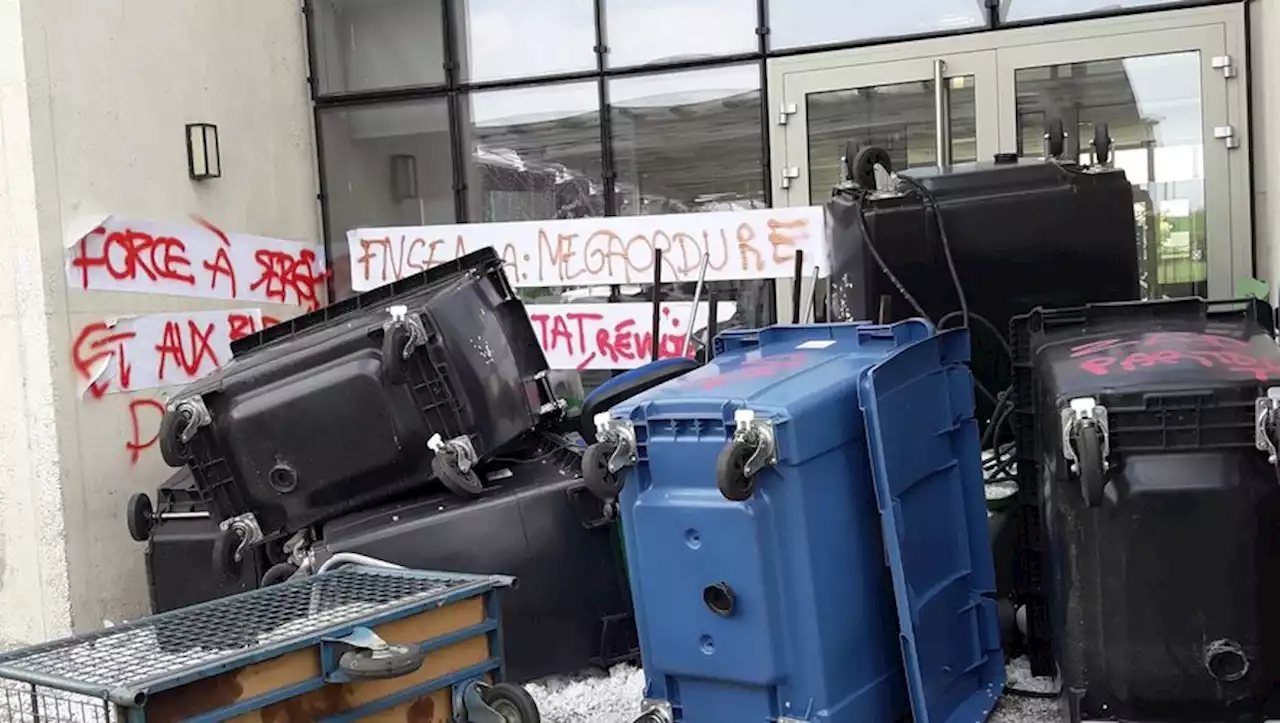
[440, 111]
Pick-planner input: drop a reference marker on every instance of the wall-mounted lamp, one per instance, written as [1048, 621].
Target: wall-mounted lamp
[404, 177]
[204, 160]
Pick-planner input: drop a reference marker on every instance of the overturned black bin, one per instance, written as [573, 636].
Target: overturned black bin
[1147, 437]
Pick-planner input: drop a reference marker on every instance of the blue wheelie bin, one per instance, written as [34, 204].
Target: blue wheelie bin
[806, 530]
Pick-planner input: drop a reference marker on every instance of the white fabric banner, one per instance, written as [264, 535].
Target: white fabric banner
[740, 245]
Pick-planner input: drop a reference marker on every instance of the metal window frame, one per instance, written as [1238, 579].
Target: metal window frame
[455, 90]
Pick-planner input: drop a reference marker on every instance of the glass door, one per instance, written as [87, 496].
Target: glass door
[1170, 85]
[915, 108]
[1164, 97]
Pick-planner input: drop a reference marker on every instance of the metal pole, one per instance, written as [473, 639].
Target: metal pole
[657, 304]
[798, 280]
[693, 312]
[941, 114]
[812, 306]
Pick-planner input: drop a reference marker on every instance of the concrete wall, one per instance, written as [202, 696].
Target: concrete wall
[109, 85]
[33, 570]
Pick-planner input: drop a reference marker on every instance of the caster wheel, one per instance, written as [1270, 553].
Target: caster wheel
[140, 516]
[1089, 460]
[512, 702]
[1101, 143]
[463, 484]
[595, 471]
[650, 717]
[731, 473]
[226, 555]
[173, 450]
[278, 573]
[390, 662]
[863, 170]
[1055, 136]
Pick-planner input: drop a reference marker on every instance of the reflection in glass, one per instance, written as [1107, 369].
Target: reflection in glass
[535, 153]
[501, 39]
[671, 30]
[802, 23]
[899, 118]
[384, 165]
[688, 142]
[1015, 10]
[377, 44]
[1152, 108]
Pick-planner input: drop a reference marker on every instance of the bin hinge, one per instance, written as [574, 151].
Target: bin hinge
[622, 433]
[757, 433]
[1266, 414]
[1226, 64]
[1082, 413]
[784, 115]
[1227, 134]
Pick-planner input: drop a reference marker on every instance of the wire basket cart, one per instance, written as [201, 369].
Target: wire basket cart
[358, 642]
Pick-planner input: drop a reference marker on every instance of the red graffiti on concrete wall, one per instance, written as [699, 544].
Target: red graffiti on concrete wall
[155, 351]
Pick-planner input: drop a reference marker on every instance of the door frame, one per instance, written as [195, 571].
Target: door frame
[1162, 30]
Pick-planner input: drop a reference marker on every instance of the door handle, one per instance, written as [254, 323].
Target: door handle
[941, 114]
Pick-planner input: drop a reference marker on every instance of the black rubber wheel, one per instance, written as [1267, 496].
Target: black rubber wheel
[862, 170]
[1055, 138]
[512, 702]
[1101, 143]
[140, 516]
[390, 662]
[649, 717]
[278, 573]
[595, 471]
[462, 484]
[731, 473]
[224, 552]
[1089, 460]
[173, 450]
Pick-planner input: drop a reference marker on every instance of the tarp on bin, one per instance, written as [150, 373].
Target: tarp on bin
[925, 454]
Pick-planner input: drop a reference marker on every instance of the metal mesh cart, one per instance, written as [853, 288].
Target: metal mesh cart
[355, 643]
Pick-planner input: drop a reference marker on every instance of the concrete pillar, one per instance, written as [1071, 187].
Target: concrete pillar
[34, 589]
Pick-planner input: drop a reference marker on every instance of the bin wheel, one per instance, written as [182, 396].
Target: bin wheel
[731, 473]
[1055, 136]
[595, 471]
[1089, 462]
[862, 171]
[140, 516]
[224, 552]
[1101, 143]
[392, 661]
[463, 484]
[278, 573]
[650, 717]
[173, 450]
[512, 702]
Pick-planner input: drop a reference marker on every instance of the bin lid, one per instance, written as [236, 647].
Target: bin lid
[919, 410]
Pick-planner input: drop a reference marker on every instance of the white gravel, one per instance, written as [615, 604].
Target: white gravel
[615, 698]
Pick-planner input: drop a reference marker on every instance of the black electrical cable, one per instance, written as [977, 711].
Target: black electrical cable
[982, 320]
[932, 202]
[860, 198]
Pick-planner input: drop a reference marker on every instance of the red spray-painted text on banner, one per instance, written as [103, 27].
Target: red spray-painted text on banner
[759, 244]
[615, 336]
[158, 350]
[1211, 351]
[201, 261]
